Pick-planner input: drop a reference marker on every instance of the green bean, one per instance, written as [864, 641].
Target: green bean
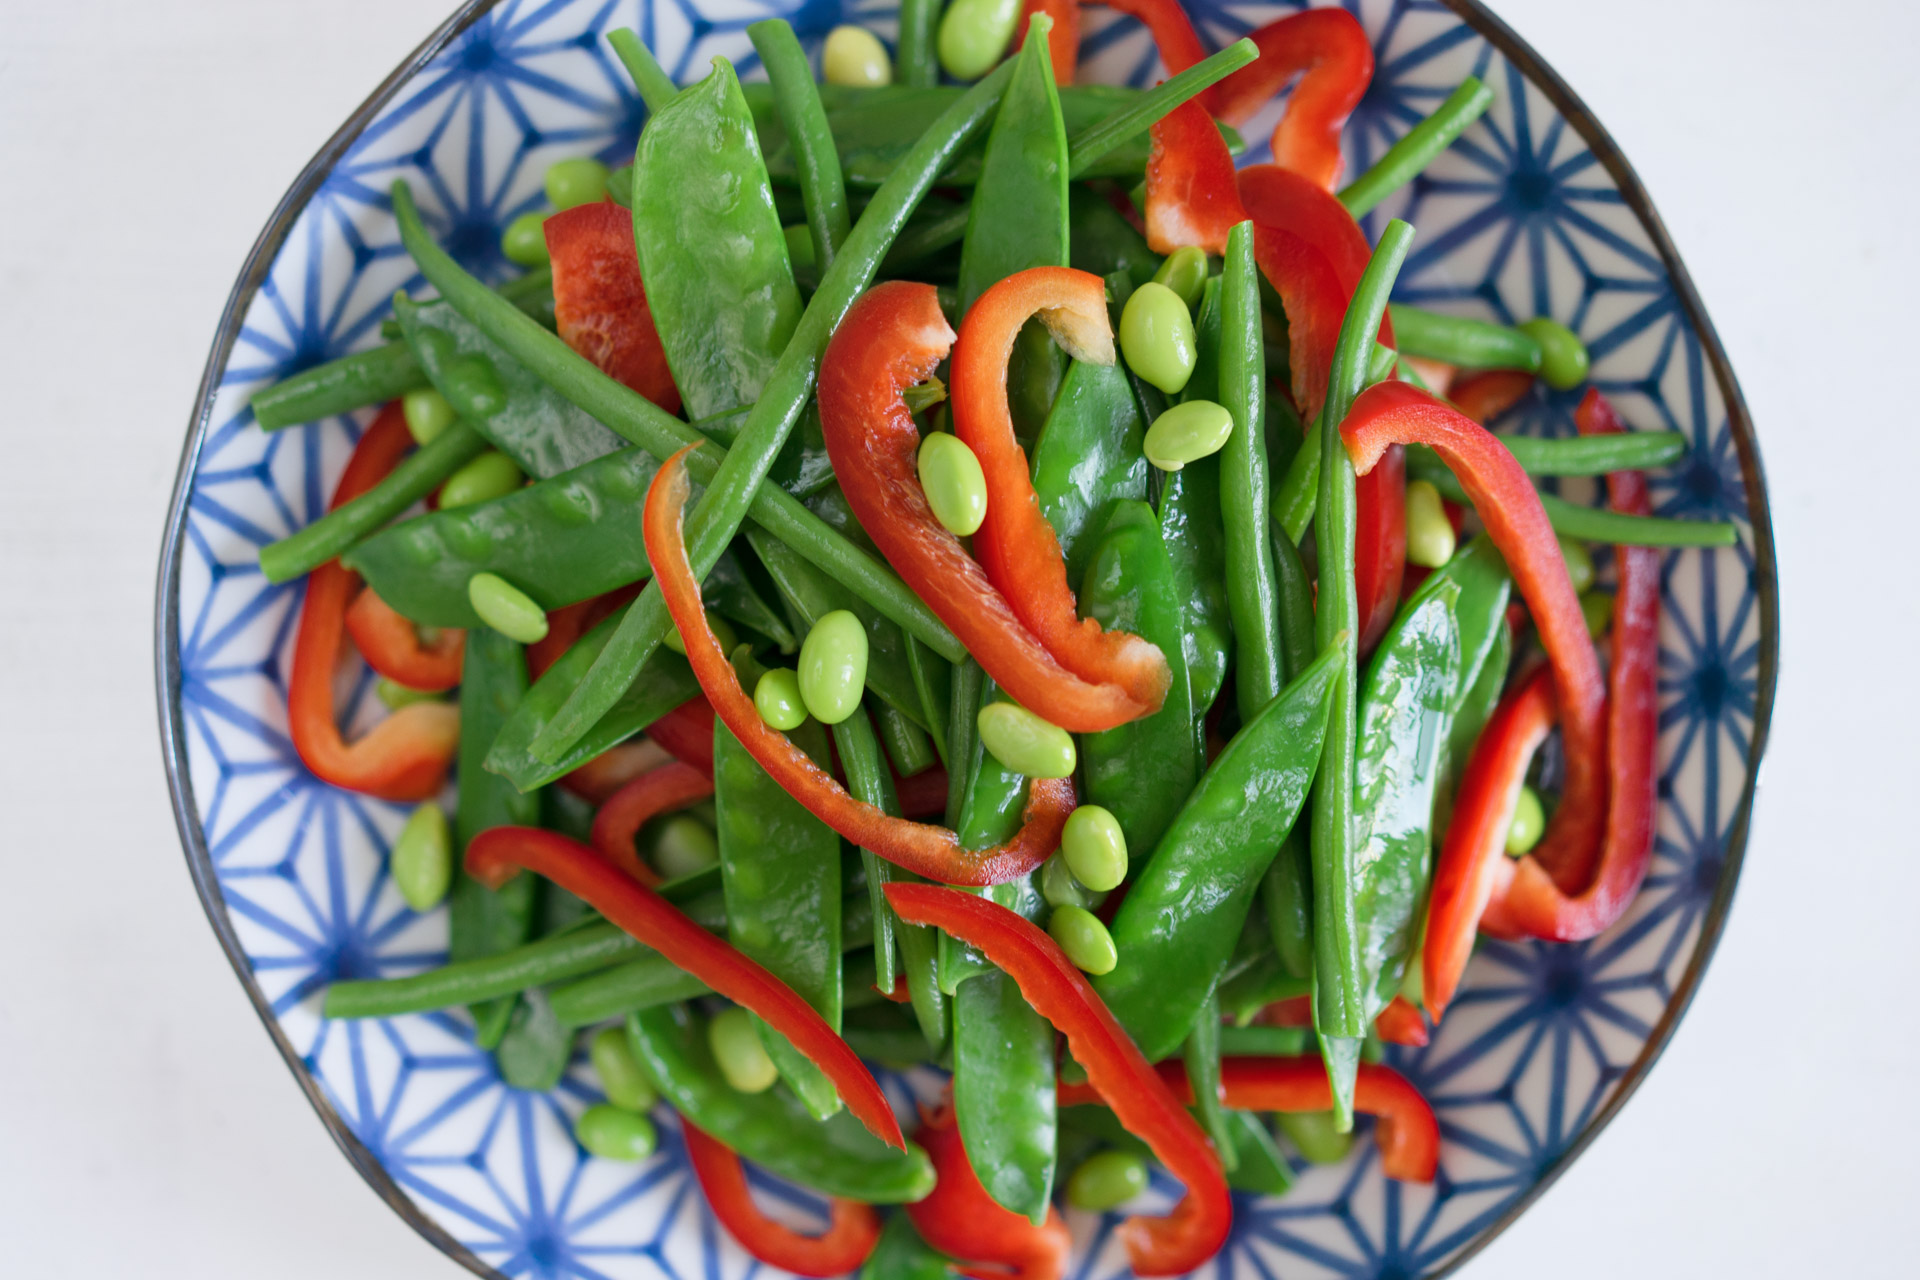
[575, 181]
[1458, 340]
[1201, 1054]
[614, 1133]
[1253, 585]
[1156, 337]
[955, 486]
[917, 62]
[1339, 1001]
[647, 981]
[340, 529]
[1587, 455]
[797, 99]
[908, 745]
[656, 88]
[1287, 891]
[1090, 144]
[525, 241]
[933, 685]
[1593, 524]
[868, 782]
[567, 955]
[1095, 848]
[1416, 151]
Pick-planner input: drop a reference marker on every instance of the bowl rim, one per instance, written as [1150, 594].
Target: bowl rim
[313, 175]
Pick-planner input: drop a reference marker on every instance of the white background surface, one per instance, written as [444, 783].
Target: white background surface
[146, 1123]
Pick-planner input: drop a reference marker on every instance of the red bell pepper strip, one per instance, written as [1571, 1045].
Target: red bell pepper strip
[1474, 849]
[962, 1221]
[498, 853]
[673, 785]
[571, 621]
[599, 304]
[405, 756]
[1487, 393]
[1380, 543]
[1192, 198]
[892, 338]
[1406, 1131]
[1330, 52]
[1063, 42]
[1015, 545]
[926, 850]
[1398, 1023]
[392, 645]
[687, 733]
[850, 1236]
[1533, 902]
[597, 779]
[1060, 993]
[1397, 413]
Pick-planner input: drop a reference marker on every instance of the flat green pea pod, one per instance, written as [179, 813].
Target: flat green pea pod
[1177, 929]
[1195, 535]
[901, 1253]
[718, 279]
[1288, 890]
[1089, 457]
[837, 1157]
[1486, 651]
[534, 1052]
[499, 397]
[1103, 241]
[1201, 1054]
[1143, 770]
[1018, 218]
[1003, 1091]
[487, 921]
[780, 866]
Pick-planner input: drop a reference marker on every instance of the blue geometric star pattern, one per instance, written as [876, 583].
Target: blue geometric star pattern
[1518, 219]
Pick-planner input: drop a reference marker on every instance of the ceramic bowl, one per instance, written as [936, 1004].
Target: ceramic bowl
[1533, 212]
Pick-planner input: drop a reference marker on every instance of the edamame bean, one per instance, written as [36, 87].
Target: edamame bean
[799, 245]
[506, 608]
[721, 628]
[615, 1134]
[421, 863]
[1085, 940]
[1156, 336]
[581, 180]
[833, 667]
[1430, 536]
[1057, 885]
[685, 845]
[1579, 563]
[955, 485]
[1025, 743]
[973, 35]
[736, 1046]
[1185, 272]
[525, 240]
[1314, 1134]
[1597, 608]
[1186, 433]
[1563, 357]
[777, 698]
[393, 695]
[854, 56]
[491, 475]
[1095, 847]
[427, 413]
[621, 1079]
[1528, 824]
[1107, 1180]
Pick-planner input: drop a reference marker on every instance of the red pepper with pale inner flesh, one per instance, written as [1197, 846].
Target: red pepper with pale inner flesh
[1060, 993]
[405, 756]
[850, 1236]
[1397, 413]
[497, 854]
[1016, 545]
[1330, 52]
[961, 1220]
[1380, 543]
[1526, 898]
[926, 850]
[392, 646]
[1191, 197]
[892, 338]
[673, 785]
[599, 303]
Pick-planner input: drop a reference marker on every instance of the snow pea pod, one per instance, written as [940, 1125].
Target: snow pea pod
[533, 1053]
[901, 1253]
[1245, 484]
[1018, 217]
[1201, 1054]
[1102, 241]
[1486, 649]
[1141, 771]
[1004, 1091]
[1088, 457]
[1177, 929]
[780, 867]
[711, 251]
[837, 1158]
[496, 395]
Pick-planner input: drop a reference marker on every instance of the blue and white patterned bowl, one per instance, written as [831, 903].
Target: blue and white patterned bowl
[1533, 212]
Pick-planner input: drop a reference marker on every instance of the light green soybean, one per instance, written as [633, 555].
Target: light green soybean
[613, 1133]
[854, 56]
[491, 475]
[1024, 743]
[1186, 433]
[427, 413]
[973, 35]
[721, 628]
[1313, 1132]
[1095, 848]
[1597, 608]
[776, 696]
[736, 1046]
[833, 667]
[956, 487]
[685, 845]
[1107, 1180]
[1579, 563]
[1156, 337]
[577, 181]
[506, 608]
[525, 240]
[621, 1079]
[393, 695]
[1058, 886]
[1430, 537]
[1085, 940]
[1528, 824]
[1563, 357]
[1184, 272]
[421, 863]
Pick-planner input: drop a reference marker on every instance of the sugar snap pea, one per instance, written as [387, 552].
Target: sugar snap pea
[797, 98]
[909, 747]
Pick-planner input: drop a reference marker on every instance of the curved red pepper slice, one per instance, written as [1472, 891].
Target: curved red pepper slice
[930, 851]
[1474, 849]
[1487, 393]
[892, 338]
[1532, 902]
[1192, 198]
[1063, 42]
[850, 1236]
[571, 621]
[599, 304]
[405, 756]
[1398, 1023]
[498, 853]
[392, 646]
[673, 785]
[1380, 543]
[1397, 413]
[597, 779]
[1330, 52]
[962, 1221]
[1060, 993]
[687, 733]
[1015, 545]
